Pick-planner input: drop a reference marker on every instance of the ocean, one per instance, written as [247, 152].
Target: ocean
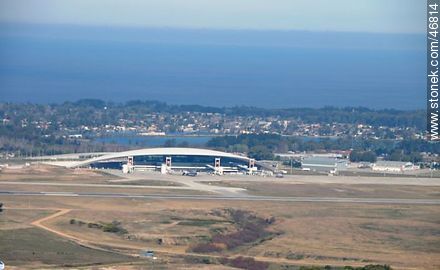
[44, 69]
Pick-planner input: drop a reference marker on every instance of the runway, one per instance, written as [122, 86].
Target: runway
[229, 198]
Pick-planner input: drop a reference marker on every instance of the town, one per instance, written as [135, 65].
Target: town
[87, 118]
[286, 135]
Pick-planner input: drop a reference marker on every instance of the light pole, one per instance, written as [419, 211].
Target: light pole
[291, 166]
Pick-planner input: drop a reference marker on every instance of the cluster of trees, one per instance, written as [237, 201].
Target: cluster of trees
[357, 156]
[24, 147]
[245, 263]
[24, 138]
[95, 112]
[112, 227]
[250, 228]
[263, 146]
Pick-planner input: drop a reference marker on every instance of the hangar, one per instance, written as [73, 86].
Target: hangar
[173, 159]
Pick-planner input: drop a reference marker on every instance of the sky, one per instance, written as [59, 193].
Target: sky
[377, 16]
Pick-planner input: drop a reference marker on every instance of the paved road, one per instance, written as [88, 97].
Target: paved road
[288, 179]
[229, 198]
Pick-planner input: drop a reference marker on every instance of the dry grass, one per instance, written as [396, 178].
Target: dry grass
[335, 190]
[404, 236]
[338, 234]
[118, 190]
[33, 248]
[46, 173]
[11, 219]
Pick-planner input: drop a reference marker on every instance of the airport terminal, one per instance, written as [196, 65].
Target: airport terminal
[166, 160]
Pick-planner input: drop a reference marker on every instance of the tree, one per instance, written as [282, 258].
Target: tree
[357, 156]
[240, 148]
[260, 152]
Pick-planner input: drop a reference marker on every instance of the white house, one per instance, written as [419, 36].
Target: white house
[393, 166]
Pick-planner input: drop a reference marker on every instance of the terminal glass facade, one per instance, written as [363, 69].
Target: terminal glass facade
[195, 161]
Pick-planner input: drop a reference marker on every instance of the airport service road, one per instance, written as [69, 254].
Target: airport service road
[289, 179]
[228, 198]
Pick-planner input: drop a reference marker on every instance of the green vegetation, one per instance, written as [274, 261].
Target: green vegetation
[27, 246]
[369, 267]
[249, 229]
[40, 129]
[245, 263]
[199, 222]
[112, 227]
[357, 156]
[262, 146]
[250, 263]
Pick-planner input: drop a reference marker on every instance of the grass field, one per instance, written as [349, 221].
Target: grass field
[35, 247]
[318, 233]
[41, 173]
[334, 190]
[121, 190]
[288, 236]
[21, 218]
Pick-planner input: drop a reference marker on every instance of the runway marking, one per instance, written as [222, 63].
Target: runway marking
[59, 194]
[189, 186]
[232, 198]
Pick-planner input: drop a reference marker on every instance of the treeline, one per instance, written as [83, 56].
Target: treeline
[25, 148]
[95, 112]
[263, 146]
[20, 134]
[28, 141]
[326, 115]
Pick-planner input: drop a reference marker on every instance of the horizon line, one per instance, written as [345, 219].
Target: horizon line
[205, 106]
[214, 29]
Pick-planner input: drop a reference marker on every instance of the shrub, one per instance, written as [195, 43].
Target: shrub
[113, 227]
[250, 228]
[200, 260]
[94, 225]
[376, 267]
[245, 263]
[206, 248]
[311, 268]
[369, 267]
[241, 237]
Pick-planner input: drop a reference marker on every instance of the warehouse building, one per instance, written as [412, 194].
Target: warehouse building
[324, 164]
[393, 166]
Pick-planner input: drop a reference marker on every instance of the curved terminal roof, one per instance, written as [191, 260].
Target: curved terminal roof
[171, 151]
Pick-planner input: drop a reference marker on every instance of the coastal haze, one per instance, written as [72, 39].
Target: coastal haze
[45, 63]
